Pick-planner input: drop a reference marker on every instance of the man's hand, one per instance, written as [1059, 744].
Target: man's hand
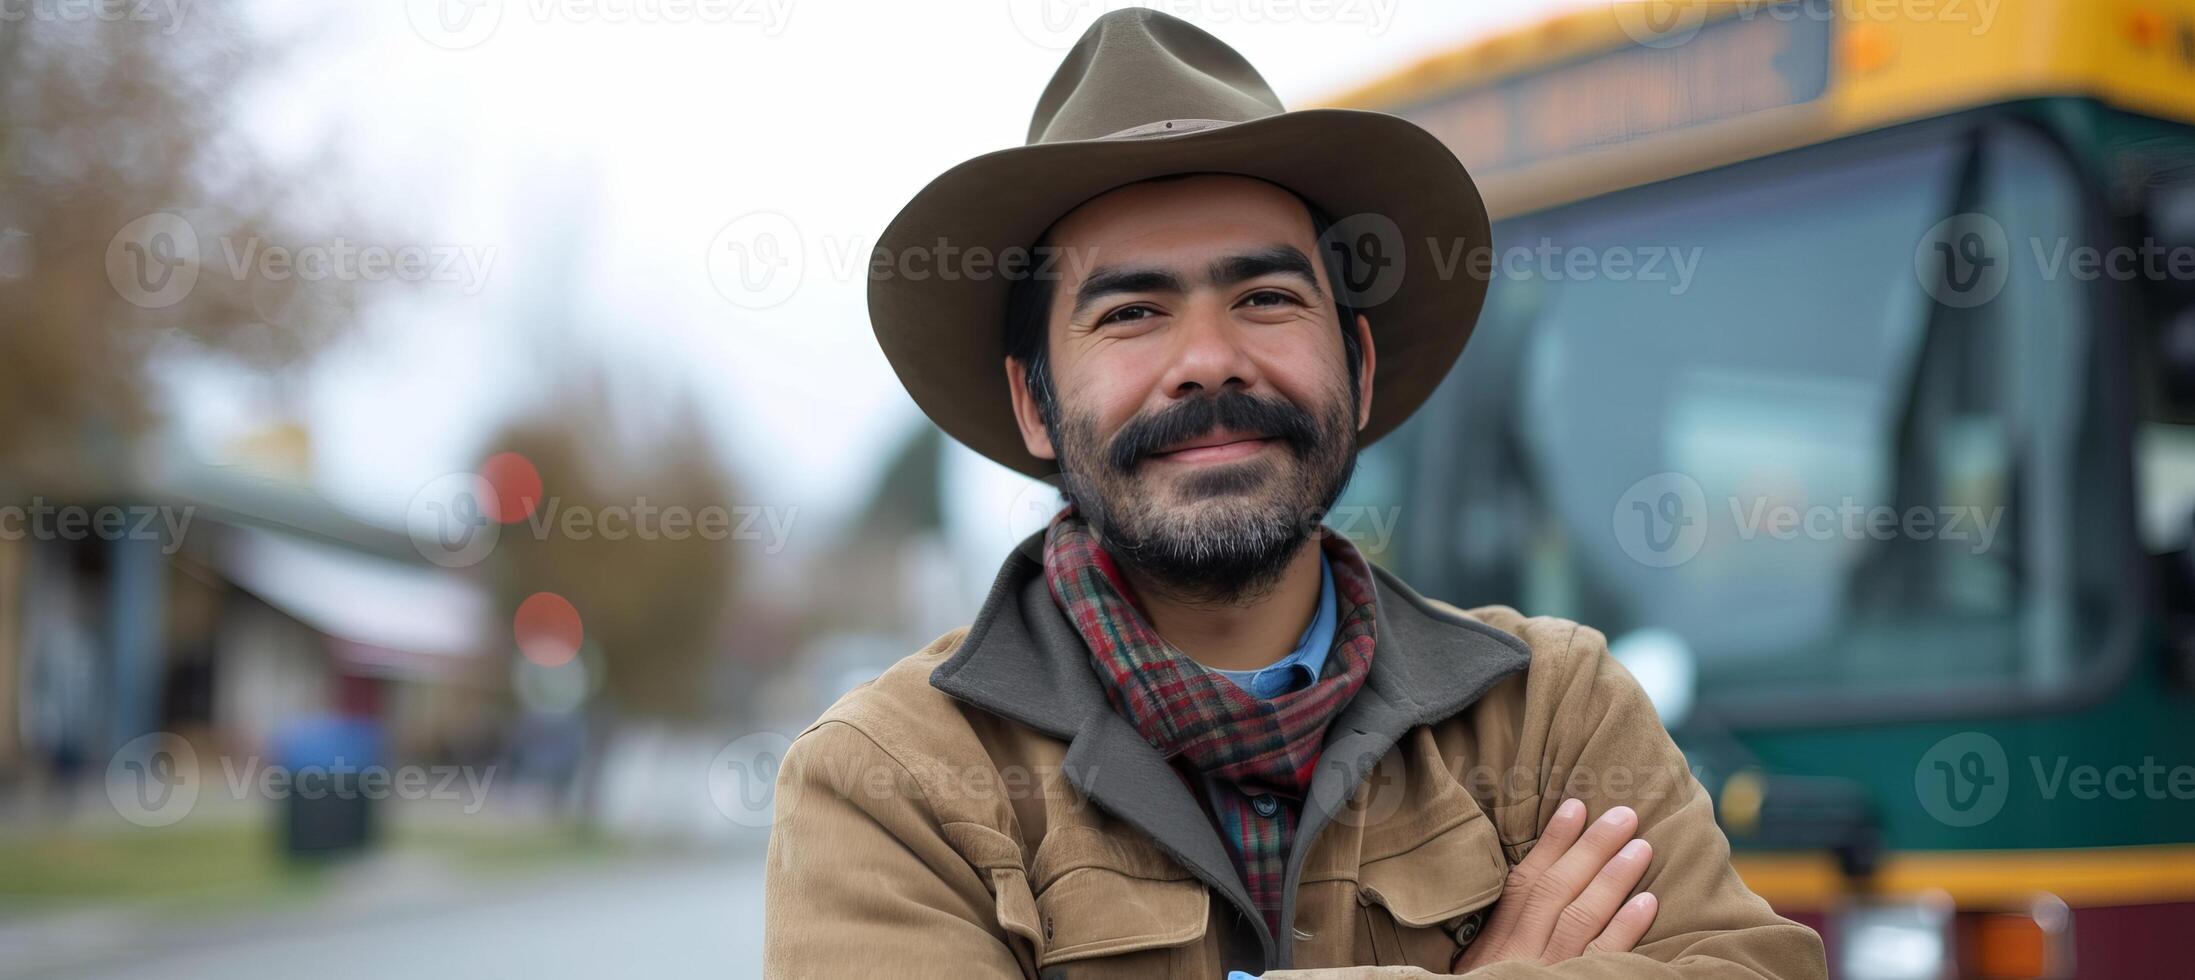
[1567, 897]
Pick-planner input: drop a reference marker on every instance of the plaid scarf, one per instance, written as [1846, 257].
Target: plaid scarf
[1256, 751]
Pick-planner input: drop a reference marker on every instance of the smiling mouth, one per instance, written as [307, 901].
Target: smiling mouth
[1220, 450]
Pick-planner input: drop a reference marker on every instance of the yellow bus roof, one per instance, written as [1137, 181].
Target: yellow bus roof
[1618, 95]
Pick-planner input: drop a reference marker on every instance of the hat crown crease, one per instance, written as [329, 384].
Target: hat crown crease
[1132, 69]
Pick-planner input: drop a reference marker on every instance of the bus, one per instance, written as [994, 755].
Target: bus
[1839, 364]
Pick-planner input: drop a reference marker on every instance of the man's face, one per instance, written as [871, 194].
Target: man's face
[1206, 419]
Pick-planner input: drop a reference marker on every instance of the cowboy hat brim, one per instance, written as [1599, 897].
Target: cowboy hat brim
[942, 325]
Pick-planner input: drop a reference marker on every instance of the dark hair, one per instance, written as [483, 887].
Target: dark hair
[1029, 307]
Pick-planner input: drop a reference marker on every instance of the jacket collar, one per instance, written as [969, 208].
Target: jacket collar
[1023, 661]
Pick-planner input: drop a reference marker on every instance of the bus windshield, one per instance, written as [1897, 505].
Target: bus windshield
[1739, 408]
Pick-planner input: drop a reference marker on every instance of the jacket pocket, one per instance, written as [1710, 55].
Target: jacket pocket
[1425, 902]
[1091, 913]
[1112, 905]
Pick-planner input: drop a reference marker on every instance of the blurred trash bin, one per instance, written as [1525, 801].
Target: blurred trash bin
[327, 800]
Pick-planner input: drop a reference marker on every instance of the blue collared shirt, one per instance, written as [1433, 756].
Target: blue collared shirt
[1299, 669]
[1294, 672]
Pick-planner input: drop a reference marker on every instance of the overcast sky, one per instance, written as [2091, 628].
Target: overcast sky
[585, 155]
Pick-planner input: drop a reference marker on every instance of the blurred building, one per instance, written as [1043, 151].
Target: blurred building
[221, 602]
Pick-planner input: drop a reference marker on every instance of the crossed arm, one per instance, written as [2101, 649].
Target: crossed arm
[1572, 908]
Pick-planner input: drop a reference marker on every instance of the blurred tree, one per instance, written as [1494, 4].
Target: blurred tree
[124, 189]
[650, 592]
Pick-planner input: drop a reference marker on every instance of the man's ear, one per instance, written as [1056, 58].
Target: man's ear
[1364, 371]
[1035, 437]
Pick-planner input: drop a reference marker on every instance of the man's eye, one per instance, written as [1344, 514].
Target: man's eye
[1268, 297]
[1127, 313]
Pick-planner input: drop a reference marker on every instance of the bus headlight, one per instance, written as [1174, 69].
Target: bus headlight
[1896, 940]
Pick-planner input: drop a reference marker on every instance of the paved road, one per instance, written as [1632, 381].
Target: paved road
[655, 919]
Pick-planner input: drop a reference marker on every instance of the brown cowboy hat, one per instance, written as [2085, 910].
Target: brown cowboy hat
[1143, 95]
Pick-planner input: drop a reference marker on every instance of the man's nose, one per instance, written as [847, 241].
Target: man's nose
[1211, 353]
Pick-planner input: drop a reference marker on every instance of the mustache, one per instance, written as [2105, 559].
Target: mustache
[1265, 418]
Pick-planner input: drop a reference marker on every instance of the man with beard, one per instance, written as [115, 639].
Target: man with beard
[1191, 732]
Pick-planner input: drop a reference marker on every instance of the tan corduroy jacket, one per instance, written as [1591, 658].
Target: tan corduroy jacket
[980, 811]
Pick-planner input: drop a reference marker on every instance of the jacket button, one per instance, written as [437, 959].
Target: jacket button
[1468, 929]
[1265, 805]
[1047, 928]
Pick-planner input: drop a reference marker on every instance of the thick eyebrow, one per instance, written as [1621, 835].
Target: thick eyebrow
[1275, 260]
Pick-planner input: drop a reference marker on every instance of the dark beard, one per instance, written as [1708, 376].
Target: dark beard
[1235, 550]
